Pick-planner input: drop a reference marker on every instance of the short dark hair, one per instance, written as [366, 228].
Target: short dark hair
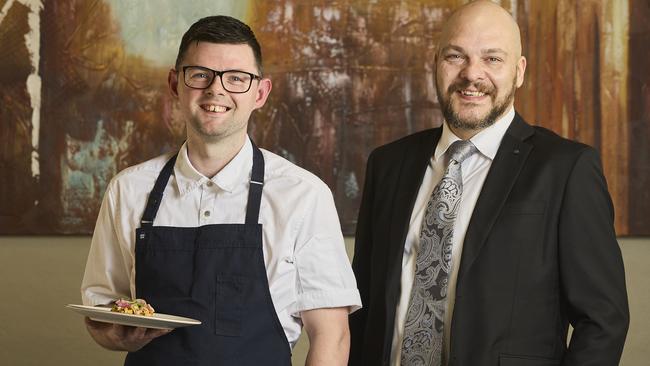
[220, 29]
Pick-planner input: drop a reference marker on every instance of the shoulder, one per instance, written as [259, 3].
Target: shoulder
[542, 139]
[552, 151]
[555, 146]
[286, 176]
[404, 144]
[139, 178]
[408, 141]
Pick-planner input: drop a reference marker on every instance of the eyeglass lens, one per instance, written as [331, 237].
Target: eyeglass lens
[232, 81]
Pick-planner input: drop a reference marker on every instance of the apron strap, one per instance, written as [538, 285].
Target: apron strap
[155, 197]
[255, 187]
[254, 190]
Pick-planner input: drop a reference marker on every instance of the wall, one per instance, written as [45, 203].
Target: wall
[39, 275]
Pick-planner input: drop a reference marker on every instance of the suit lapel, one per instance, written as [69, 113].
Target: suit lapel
[503, 173]
[414, 164]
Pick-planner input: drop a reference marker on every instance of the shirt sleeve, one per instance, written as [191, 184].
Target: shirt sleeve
[324, 276]
[107, 274]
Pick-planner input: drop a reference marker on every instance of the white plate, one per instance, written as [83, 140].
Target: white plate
[157, 321]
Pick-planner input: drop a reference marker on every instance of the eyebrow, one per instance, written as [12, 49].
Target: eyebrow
[452, 47]
[462, 50]
[494, 50]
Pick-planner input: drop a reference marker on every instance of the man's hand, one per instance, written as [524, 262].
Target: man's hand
[117, 337]
[329, 336]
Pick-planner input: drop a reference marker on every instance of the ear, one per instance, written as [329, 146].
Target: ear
[172, 82]
[262, 92]
[521, 69]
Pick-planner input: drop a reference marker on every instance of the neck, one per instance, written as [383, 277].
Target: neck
[208, 158]
[462, 133]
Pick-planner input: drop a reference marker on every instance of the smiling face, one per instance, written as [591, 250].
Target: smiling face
[478, 67]
[213, 114]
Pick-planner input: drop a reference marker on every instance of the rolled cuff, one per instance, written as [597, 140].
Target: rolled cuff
[349, 298]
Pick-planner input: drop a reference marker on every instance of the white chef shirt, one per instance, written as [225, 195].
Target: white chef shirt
[474, 170]
[304, 252]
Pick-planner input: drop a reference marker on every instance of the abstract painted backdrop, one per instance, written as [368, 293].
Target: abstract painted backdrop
[83, 92]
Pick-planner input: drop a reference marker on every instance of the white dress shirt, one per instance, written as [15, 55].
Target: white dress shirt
[304, 252]
[474, 170]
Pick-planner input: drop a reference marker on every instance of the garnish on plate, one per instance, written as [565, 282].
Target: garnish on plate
[135, 307]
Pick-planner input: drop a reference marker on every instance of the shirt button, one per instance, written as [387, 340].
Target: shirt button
[206, 214]
[209, 184]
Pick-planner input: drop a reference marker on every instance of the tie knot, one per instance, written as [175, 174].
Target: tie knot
[461, 150]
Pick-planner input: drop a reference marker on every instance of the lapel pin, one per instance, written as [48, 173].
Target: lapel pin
[516, 151]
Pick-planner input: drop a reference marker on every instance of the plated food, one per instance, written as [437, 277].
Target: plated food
[155, 321]
[134, 307]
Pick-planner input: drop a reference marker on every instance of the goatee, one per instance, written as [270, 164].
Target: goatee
[455, 121]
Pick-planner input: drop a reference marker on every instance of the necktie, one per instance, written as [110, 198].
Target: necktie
[423, 330]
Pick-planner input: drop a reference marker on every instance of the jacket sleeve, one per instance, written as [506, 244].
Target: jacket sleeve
[591, 267]
[361, 264]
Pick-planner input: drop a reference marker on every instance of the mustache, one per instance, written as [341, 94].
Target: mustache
[464, 84]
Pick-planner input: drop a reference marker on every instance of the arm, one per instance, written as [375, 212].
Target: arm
[361, 266]
[107, 277]
[325, 286]
[591, 268]
[329, 336]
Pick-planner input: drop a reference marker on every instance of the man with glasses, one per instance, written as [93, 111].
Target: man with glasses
[221, 231]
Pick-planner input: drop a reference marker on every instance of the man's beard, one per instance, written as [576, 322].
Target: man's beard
[479, 123]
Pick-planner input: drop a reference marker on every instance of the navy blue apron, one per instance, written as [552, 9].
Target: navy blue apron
[214, 273]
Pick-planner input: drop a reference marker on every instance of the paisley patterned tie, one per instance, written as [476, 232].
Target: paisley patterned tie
[423, 329]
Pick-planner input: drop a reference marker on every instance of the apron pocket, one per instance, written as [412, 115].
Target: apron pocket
[228, 306]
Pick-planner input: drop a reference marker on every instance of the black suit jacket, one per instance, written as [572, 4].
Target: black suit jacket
[540, 253]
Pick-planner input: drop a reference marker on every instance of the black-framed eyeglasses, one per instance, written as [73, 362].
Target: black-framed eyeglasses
[233, 81]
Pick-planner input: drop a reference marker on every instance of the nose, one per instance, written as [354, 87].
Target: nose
[473, 70]
[216, 88]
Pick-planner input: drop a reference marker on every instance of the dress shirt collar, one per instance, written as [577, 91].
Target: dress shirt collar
[487, 141]
[235, 172]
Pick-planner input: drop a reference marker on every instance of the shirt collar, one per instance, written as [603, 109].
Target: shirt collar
[487, 141]
[235, 172]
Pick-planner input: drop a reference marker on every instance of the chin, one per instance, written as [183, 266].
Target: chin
[468, 119]
[472, 117]
[205, 130]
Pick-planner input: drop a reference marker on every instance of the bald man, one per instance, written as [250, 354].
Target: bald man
[478, 243]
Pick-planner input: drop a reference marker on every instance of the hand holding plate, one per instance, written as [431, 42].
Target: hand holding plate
[118, 337]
